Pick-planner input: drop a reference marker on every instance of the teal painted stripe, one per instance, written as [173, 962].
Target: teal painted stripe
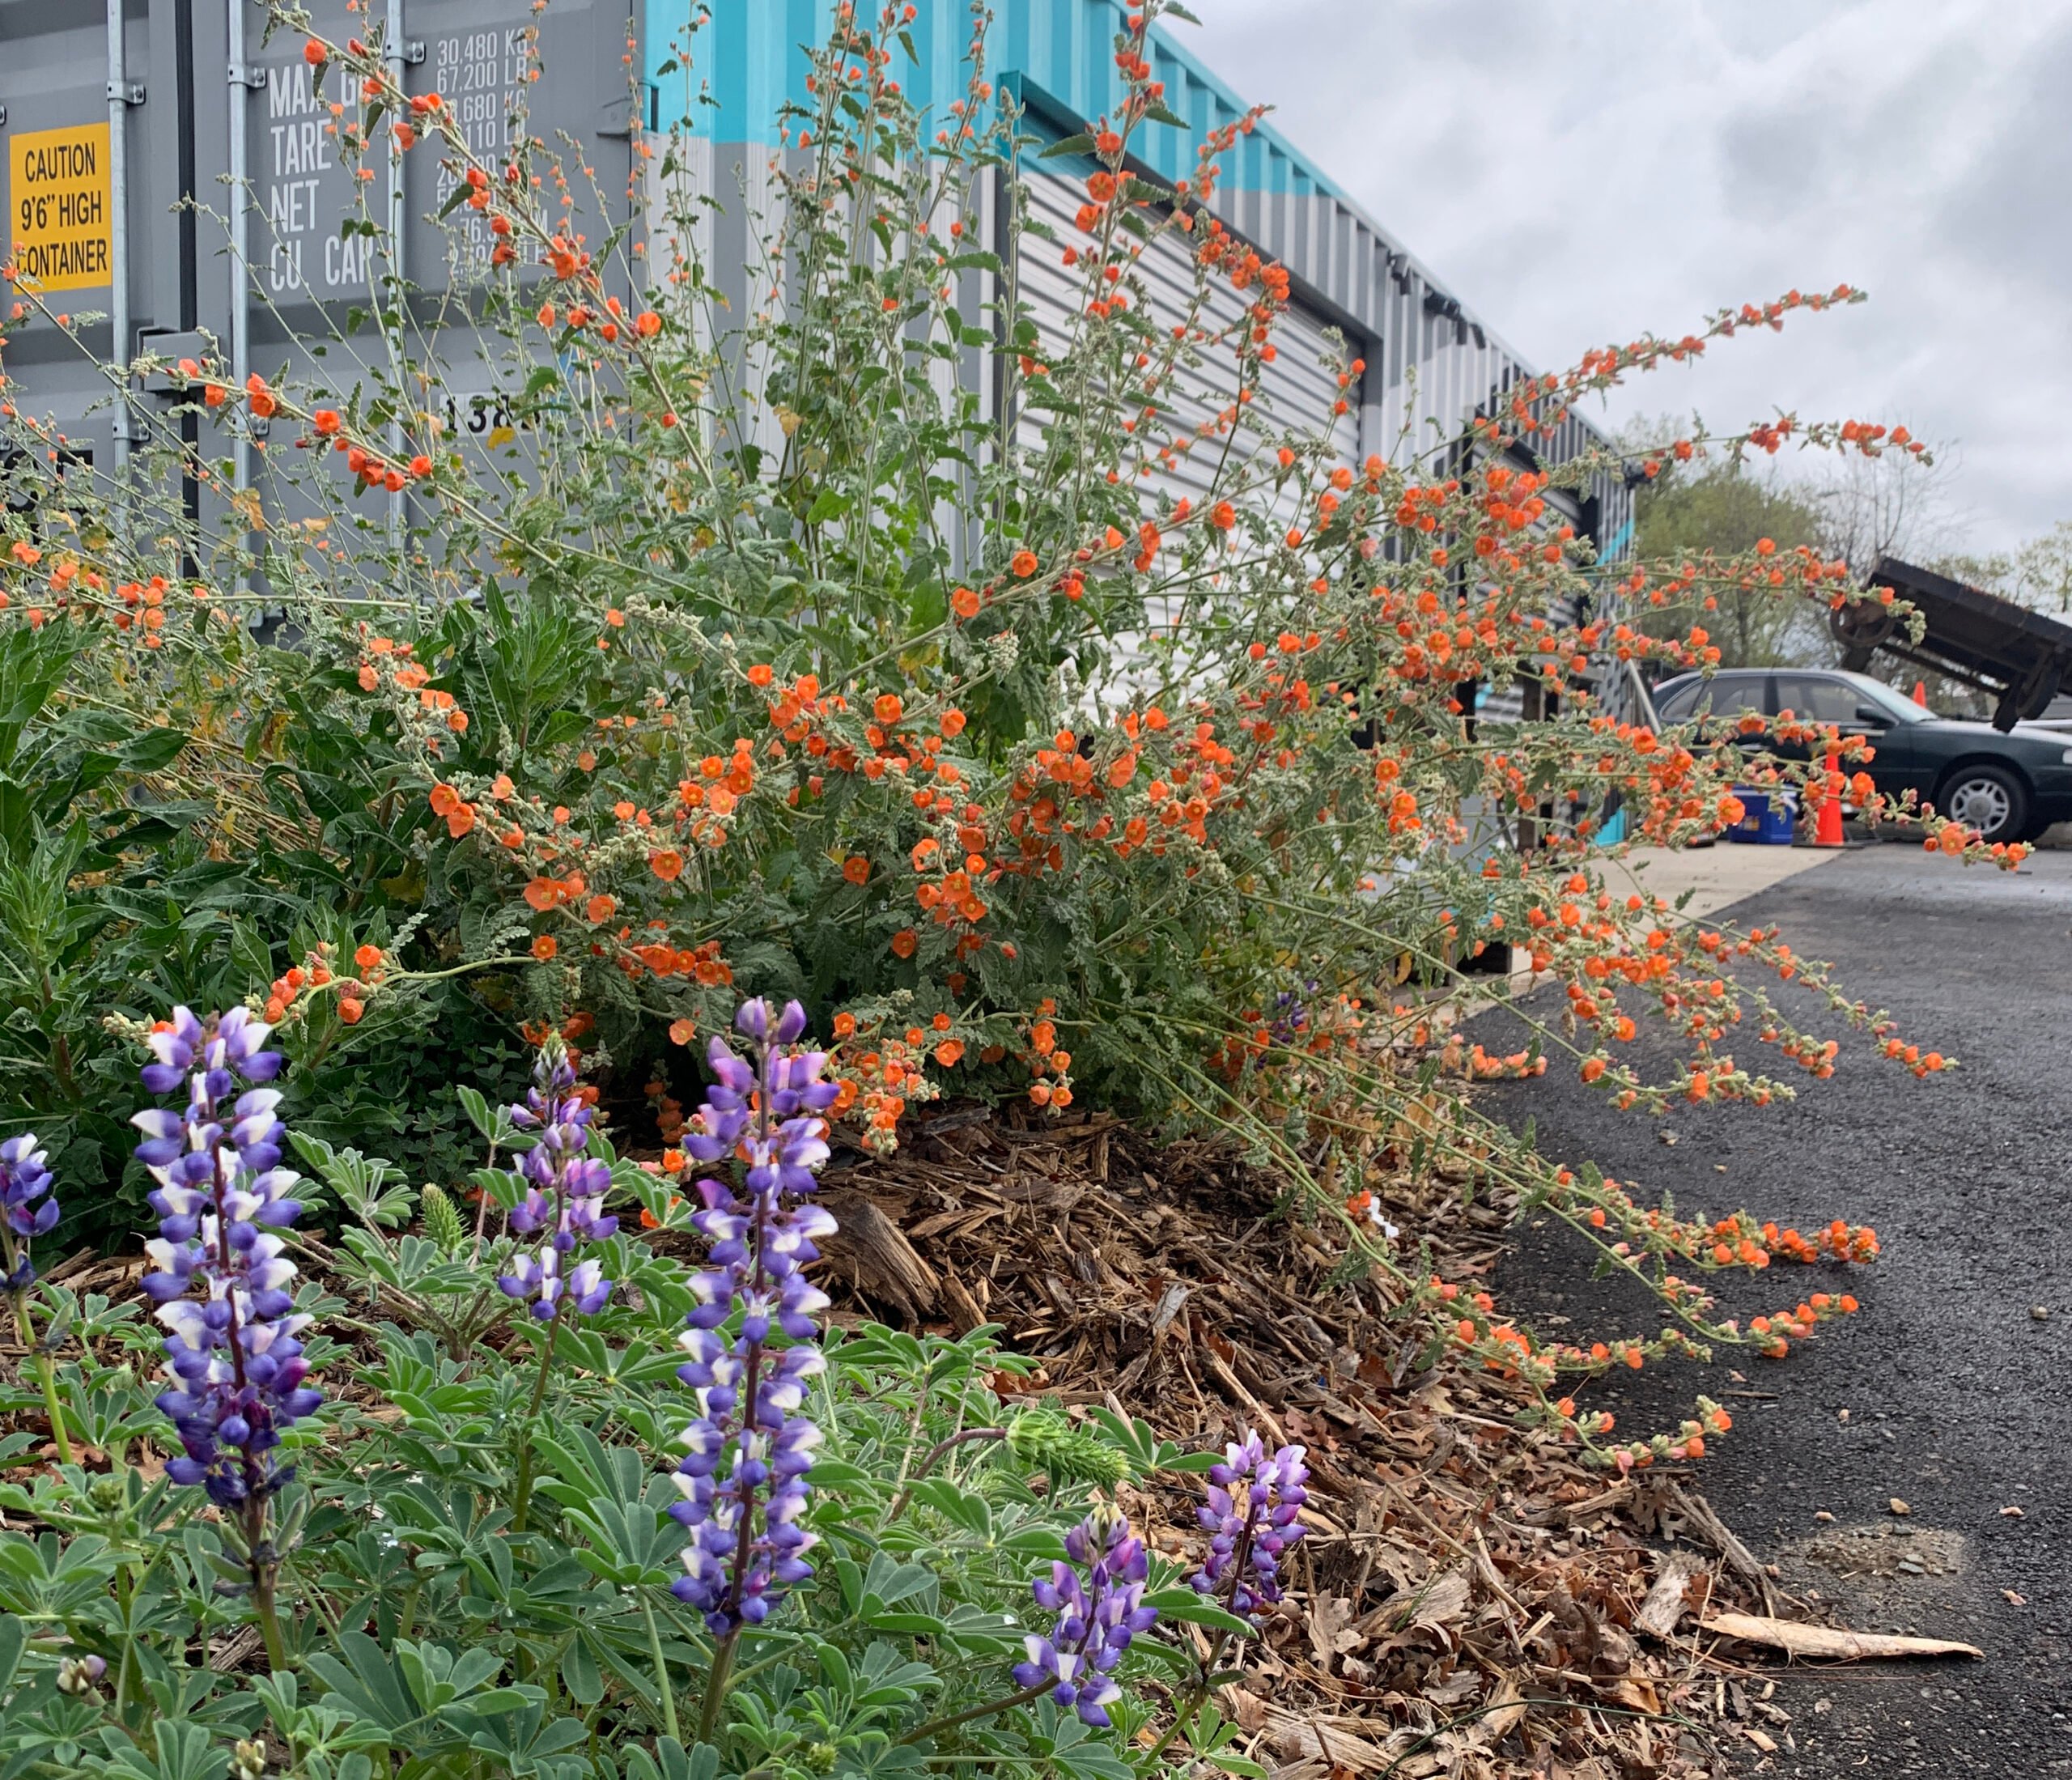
[752, 56]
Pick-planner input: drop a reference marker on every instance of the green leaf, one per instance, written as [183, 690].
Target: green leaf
[828, 504]
[579, 1673]
[1184, 1603]
[13, 1636]
[1081, 144]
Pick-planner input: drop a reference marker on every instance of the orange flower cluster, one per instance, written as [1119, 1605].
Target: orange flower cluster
[668, 1114]
[1779, 1329]
[424, 711]
[877, 1083]
[1045, 1060]
[287, 996]
[702, 963]
[144, 603]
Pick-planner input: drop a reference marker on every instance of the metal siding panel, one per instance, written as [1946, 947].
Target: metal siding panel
[1297, 391]
[1273, 195]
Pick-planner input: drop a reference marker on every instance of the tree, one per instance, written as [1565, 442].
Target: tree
[1889, 505]
[1725, 508]
[2038, 573]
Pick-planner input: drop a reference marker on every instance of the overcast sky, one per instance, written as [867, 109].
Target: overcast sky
[1578, 170]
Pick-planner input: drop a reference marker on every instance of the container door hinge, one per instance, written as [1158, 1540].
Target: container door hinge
[130, 92]
[411, 51]
[249, 75]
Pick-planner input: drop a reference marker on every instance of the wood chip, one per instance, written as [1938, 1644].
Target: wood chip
[884, 1264]
[1666, 1604]
[1822, 1640]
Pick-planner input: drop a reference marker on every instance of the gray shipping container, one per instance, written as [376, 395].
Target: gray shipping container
[129, 131]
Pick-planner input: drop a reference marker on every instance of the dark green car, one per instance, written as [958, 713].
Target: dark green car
[2005, 787]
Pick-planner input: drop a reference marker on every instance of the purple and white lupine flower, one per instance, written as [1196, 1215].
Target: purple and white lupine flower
[28, 1208]
[743, 1475]
[224, 1288]
[1251, 1517]
[1097, 1616]
[565, 1191]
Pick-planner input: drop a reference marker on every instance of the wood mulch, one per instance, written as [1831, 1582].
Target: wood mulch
[1466, 1601]
[1470, 1600]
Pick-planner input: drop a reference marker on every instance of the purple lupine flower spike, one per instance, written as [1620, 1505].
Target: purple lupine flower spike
[223, 1286]
[28, 1208]
[1097, 1616]
[1252, 1515]
[565, 1191]
[743, 1475]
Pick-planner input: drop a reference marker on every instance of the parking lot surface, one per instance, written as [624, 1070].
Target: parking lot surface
[1951, 1390]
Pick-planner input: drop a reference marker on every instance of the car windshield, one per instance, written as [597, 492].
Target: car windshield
[1895, 705]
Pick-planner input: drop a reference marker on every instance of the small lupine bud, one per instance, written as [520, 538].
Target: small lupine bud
[1098, 1616]
[1045, 1440]
[564, 1196]
[248, 1760]
[440, 1219]
[28, 1208]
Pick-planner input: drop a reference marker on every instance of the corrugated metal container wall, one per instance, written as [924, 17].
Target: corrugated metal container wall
[1432, 368]
[103, 134]
[83, 107]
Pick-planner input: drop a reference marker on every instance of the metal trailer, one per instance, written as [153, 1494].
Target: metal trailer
[170, 168]
[1977, 638]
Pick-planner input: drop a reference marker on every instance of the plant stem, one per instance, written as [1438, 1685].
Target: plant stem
[266, 1572]
[1196, 1695]
[47, 1374]
[269, 1624]
[1241, 1557]
[1027, 1697]
[933, 1458]
[521, 1498]
[715, 1683]
[661, 1670]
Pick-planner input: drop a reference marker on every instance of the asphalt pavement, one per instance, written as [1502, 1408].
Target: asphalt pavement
[1950, 1390]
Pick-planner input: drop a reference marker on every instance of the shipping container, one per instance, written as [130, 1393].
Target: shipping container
[175, 168]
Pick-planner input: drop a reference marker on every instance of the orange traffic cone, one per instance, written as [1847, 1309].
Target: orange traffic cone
[1921, 692]
[1827, 823]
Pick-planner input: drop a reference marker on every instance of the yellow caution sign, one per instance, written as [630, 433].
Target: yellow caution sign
[58, 231]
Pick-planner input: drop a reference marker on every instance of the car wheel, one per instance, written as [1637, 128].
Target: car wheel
[1988, 800]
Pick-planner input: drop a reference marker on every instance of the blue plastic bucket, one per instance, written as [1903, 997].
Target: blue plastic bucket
[1766, 818]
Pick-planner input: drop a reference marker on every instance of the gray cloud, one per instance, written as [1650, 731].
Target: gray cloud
[1580, 173]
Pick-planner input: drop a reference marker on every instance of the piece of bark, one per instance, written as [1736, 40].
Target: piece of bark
[1666, 1604]
[886, 1265]
[1800, 1640]
[1739, 1559]
[964, 1314]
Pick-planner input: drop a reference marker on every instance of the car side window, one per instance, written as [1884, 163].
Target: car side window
[1677, 706]
[1813, 698]
[1731, 695]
